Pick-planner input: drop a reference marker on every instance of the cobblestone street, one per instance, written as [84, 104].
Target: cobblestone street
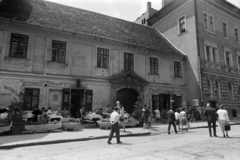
[192, 145]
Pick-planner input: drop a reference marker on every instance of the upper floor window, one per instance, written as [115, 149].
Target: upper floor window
[177, 69]
[153, 65]
[218, 89]
[225, 34]
[58, 51]
[208, 22]
[211, 54]
[236, 34]
[238, 60]
[231, 92]
[103, 58]
[228, 58]
[128, 62]
[182, 24]
[31, 99]
[18, 47]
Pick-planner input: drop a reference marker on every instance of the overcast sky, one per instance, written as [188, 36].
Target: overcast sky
[128, 10]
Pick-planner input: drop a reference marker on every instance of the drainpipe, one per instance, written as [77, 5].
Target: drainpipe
[198, 49]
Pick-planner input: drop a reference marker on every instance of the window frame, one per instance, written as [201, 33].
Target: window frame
[212, 48]
[128, 62]
[18, 44]
[154, 65]
[180, 25]
[230, 58]
[177, 69]
[225, 32]
[236, 34]
[207, 24]
[58, 51]
[32, 96]
[100, 62]
[231, 91]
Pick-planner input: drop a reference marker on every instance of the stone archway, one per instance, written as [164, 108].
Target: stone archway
[127, 98]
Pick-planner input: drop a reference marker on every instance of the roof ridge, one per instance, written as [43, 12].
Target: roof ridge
[95, 13]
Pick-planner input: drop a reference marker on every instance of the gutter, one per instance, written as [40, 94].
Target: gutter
[198, 49]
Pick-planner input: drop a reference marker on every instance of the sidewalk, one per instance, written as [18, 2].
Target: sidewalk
[84, 134]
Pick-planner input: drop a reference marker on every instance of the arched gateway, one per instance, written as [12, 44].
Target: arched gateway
[126, 87]
[127, 97]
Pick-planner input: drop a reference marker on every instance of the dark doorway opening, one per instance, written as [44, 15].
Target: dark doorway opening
[127, 98]
[76, 102]
[213, 104]
[234, 113]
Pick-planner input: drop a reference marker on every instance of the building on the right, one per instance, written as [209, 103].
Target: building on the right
[208, 31]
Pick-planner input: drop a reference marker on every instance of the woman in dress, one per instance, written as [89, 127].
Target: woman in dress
[183, 119]
[223, 119]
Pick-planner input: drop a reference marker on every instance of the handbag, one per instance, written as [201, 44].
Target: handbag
[227, 127]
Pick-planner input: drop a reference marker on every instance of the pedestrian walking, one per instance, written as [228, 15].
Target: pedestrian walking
[223, 119]
[171, 120]
[121, 119]
[183, 119]
[177, 117]
[145, 114]
[114, 120]
[150, 116]
[188, 118]
[210, 113]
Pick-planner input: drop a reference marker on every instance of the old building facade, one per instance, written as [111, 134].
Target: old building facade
[60, 56]
[208, 31]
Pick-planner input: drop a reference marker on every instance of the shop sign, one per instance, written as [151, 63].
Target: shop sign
[9, 90]
[195, 102]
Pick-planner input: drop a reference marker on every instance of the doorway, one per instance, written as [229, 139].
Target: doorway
[76, 102]
[213, 104]
[127, 98]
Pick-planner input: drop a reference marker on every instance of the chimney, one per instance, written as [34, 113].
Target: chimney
[166, 2]
[149, 6]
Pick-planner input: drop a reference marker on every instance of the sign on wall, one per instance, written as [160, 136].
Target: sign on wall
[9, 90]
[195, 103]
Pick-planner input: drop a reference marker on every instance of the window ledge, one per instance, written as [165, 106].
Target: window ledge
[209, 31]
[16, 58]
[59, 63]
[181, 34]
[102, 68]
[151, 74]
[226, 38]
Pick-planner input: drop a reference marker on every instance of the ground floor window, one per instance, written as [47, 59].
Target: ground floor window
[31, 99]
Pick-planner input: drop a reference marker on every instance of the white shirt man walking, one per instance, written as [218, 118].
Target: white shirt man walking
[114, 118]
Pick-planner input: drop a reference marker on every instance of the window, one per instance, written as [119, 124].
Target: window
[155, 101]
[225, 30]
[236, 34]
[177, 69]
[211, 54]
[230, 90]
[18, 47]
[182, 24]
[208, 53]
[211, 23]
[58, 51]
[208, 22]
[218, 91]
[128, 61]
[31, 99]
[214, 55]
[153, 65]
[228, 58]
[103, 58]
[238, 62]
[205, 21]
[210, 88]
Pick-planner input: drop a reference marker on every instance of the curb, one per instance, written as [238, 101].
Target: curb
[67, 140]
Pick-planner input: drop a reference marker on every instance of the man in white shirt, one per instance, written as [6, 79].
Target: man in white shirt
[114, 118]
[177, 116]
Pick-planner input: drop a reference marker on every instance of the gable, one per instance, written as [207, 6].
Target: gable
[128, 78]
